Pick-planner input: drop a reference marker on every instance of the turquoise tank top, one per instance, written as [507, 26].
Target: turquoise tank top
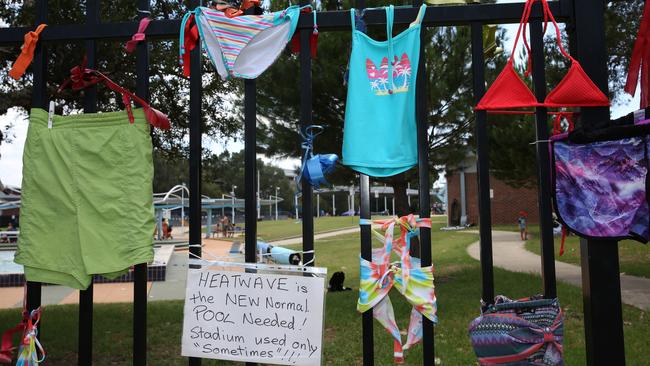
[379, 136]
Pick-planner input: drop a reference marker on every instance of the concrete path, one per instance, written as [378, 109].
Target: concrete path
[509, 253]
[328, 234]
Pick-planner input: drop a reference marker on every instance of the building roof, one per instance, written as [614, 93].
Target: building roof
[289, 173]
[468, 165]
[8, 193]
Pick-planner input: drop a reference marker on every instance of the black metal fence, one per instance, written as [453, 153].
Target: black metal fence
[585, 24]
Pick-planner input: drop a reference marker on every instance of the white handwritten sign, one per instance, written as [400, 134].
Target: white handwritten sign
[253, 317]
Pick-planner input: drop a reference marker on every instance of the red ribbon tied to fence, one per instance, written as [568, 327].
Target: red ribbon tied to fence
[191, 37]
[640, 62]
[27, 53]
[313, 39]
[139, 36]
[82, 77]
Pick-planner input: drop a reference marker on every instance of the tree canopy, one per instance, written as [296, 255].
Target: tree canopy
[512, 157]
[169, 89]
[449, 99]
[220, 173]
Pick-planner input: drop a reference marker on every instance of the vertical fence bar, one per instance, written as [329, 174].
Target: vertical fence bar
[601, 283]
[140, 315]
[306, 120]
[366, 253]
[421, 112]
[482, 152]
[195, 156]
[39, 65]
[250, 169]
[85, 335]
[92, 18]
[250, 173]
[140, 270]
[543, 162]
[39, 90]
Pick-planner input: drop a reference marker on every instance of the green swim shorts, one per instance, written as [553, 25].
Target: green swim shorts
[87, 197]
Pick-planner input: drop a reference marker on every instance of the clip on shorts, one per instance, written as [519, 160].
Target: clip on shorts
[87, 197]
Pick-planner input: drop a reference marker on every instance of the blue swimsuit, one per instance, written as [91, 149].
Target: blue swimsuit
[379, 137]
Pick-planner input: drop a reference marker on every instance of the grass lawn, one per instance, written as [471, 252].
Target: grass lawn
[272, 230]
[634, 257]
[275, 230]
[457, 287]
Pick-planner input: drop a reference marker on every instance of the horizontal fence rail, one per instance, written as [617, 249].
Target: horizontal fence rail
[327, 20]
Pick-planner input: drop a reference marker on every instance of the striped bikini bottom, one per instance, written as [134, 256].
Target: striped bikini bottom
[242, 46]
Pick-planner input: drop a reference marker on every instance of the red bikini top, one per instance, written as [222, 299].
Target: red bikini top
[508, 91]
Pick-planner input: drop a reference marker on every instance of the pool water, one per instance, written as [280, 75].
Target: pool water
[12, 274]
[7, 264]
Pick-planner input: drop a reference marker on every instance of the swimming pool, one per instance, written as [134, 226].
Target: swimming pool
[12, 274]
[7, 264]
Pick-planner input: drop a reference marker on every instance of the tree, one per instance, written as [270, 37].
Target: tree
[227, 170]
[448, 78]
[169, 90]
[170, 171]
[448, 64]
[622, 20]
[512, 158]
[220, 173]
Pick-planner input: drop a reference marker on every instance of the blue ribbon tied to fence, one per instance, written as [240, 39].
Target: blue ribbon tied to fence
[314, 166]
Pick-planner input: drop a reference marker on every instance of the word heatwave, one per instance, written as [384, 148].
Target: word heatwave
[253, 317]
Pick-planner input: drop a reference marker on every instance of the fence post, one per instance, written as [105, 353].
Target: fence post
[306, 118]
[482, 156]
[543, 162]
[140, 270]
[250, 175]
[39, 68]
[366, 253]
[250, 168]
[196, 86]
[85, 335]
[421, 113]
[601, 283]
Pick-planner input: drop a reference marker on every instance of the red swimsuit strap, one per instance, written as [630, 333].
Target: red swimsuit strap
[522, 31]
[558, 34]
[530, 113]
[508, 91]
[524, 19]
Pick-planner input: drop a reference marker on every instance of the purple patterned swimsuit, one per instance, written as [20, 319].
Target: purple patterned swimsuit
[600, 187]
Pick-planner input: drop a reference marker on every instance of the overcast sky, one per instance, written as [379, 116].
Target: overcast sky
[11, 153]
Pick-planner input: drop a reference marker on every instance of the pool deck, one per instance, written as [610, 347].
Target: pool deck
[173, 288]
